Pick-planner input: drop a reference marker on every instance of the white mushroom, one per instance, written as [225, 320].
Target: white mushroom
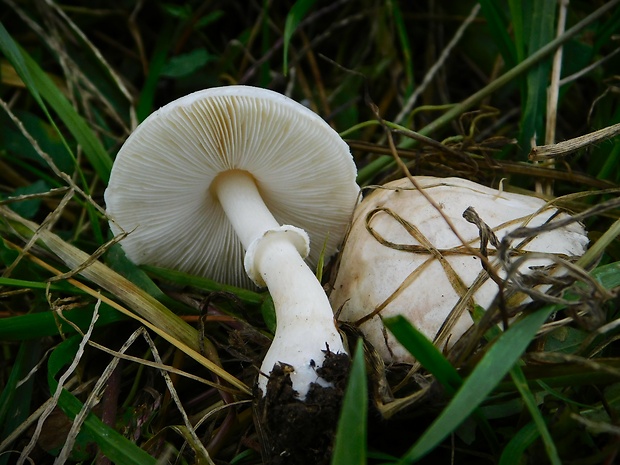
[234, 169]
[384, 274]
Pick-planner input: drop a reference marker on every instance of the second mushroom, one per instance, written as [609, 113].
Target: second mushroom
[402, 257]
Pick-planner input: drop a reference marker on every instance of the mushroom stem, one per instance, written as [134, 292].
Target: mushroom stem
[275, 258]
[239, 197]
[305, 322]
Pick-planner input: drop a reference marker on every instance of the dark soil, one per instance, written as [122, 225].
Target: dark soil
[296, 432]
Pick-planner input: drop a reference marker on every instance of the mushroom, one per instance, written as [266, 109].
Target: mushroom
[239, 170]
[401, 257]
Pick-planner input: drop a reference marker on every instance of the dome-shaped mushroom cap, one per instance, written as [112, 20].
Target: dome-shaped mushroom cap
[159, 188]
[384, 271]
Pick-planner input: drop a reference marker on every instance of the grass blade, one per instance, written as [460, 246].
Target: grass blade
[350, 444]
[542, 21]
[425, 352]
[15, 400]
[46, 324]
[156, 65]
[517, 9]
[530, 402]
[206, 284]
[498, 26]
[516, 447]
[13, 54]
[488, 373]
[42, 88]
[297, 13]
[403, 37]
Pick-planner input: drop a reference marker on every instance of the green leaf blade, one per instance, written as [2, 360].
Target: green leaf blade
[425, 352]
[488, 373]
[530, 401]
[43, 89]
[541, 21]
[350, 444]
[498, 27]
[294, 17]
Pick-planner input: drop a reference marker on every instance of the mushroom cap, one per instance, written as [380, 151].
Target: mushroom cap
[415, 284]
[159, 189]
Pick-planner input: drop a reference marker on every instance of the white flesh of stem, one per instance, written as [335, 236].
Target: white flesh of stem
[244, 207]
[305, 323]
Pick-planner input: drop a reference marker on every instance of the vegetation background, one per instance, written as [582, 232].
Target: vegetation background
[463, 88]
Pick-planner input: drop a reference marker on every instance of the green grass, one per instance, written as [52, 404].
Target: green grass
[74, 82]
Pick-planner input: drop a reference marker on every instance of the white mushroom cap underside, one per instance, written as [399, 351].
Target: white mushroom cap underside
[159, 186]
[371, 272]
